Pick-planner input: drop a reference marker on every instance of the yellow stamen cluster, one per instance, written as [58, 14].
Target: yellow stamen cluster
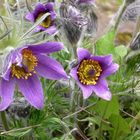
[89, 72]
[46, 22]
[29, 62]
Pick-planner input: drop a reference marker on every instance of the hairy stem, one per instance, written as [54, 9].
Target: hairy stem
[73, 94]
[137, 27]
[73, 98]
[120, 13]
[114, 23]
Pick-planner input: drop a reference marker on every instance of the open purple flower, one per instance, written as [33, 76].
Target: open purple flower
[22, 68]
[91, 72]
[47, 24]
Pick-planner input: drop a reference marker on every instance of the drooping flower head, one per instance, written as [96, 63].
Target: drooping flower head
[22, 68]
[86, 8]
[47, 24]
[72, 22]
[91, 72]
[76, 21]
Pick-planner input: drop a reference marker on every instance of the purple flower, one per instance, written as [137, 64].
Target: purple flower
[91, 72]
[22, 68]
[48, 23]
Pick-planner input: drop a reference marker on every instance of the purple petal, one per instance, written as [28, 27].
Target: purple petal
[48, 47]
[39, 28]
[40, 8]
[13, 57]
[29, 16]
[51, 30]
[86, 1]
[6, 93]
[82, 54]
[49, 6]
[104, 61]
[87, 90]
[53, 15]
[50, 68]
[32, 91]
[7, 73]
[110, 70]
[101, 89]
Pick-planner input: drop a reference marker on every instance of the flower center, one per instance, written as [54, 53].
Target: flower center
[46, 22]
[29, 62]
[88, 72]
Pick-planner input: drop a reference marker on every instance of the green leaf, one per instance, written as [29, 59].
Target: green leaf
[107, 108]
[105, 45]
[121, 51]
[17, 132]
[121, 127]
[134, 136]
[132, 61]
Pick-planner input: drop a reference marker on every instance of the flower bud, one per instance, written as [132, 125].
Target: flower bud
[72, 22]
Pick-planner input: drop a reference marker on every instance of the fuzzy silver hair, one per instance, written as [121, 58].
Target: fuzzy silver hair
[132, 11]
[135, 45]
[19, 109]
[72, 22]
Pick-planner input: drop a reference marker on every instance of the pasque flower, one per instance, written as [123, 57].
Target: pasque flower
[91, 72]
[47, 24]
[86, 8]
[22, 68]
[73, 22]
[76, 21]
